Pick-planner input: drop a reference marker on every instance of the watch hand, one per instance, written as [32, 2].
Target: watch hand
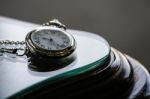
[53, 42]
[44, 38]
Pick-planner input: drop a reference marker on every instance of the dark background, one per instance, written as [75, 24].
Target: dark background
[124, 23]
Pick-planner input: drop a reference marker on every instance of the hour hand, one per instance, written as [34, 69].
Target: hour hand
[44, 38]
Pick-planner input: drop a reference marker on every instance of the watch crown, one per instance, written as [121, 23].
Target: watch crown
[55, 22]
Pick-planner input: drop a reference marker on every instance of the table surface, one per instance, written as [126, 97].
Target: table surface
[14, 72]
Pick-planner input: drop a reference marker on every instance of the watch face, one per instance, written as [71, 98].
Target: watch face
[50, 41]
[53, 40]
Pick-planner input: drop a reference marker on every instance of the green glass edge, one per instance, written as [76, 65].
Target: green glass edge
[59, 77]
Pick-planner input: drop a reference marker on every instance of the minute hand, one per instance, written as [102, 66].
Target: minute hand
[53, 42]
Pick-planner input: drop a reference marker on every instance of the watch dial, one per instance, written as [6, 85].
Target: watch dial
[50, 39]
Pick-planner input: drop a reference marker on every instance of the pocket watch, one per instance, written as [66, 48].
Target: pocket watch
[50, 40]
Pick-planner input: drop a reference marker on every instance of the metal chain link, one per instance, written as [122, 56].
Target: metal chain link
[13, 47]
